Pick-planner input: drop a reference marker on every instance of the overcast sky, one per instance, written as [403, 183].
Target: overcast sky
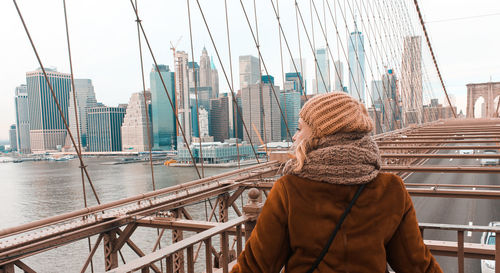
[104, 42]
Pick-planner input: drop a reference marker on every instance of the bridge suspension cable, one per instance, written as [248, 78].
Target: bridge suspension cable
[59, 109]
[433, 56]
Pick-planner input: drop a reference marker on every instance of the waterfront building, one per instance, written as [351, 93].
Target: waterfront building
[411, 80]
[204, 123]
[291, 105]
[135, 124]
[300, 67]
[47, 129]
[271, 111]
[356, 58]
[261, 113]
[85, 99]
[182, 84]
[163, 116]
[322, 71]
[377, 94]
[294, 82]
[200, 121]
[204, 96]
[339, 76]
[391, 107]
[215, 80]
[238, 118]
[377, 116]
[251, 106]
[219, 118]
[209, 77]
[205, 69]
[215, 152]
[13, 137]
[249, 70]
[22, 120]
[104, 128]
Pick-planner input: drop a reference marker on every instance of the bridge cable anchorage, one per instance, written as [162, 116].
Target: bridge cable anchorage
[232, 84]
[147, 116]
[165, 88]
[65, 122]
[265, 68]
[77, 123]
[227, 81]
[195, 88]
[433, 56]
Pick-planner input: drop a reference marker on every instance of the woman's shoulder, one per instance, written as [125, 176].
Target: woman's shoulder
[388, 184]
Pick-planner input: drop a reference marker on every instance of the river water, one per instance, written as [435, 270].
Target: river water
[35, 190]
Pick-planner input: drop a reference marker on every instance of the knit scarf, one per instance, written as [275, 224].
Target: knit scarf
[342, 158]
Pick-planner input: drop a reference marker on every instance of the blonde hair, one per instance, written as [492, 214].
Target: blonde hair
[301, 149]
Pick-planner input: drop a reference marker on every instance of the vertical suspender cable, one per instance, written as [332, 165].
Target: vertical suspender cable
[79, 148]
[227, 79]
[165, 88]
[282, 69]
[147, 118]
[235, 118]
[263, 63]
[195, 89]
[145, 104]
[56, 102]
[434, 57]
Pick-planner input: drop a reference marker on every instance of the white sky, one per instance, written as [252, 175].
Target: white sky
[104, 42]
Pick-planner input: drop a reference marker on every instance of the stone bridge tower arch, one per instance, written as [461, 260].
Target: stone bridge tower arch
[489, 91]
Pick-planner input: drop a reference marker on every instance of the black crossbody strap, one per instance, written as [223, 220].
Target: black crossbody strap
[337, 227]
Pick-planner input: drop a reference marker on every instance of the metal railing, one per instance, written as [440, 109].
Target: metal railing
[463, 250]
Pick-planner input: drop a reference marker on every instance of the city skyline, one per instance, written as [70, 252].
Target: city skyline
[113, 92]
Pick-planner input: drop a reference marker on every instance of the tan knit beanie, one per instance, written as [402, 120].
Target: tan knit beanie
[334, 112]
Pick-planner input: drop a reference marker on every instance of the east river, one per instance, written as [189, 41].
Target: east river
[35, 190]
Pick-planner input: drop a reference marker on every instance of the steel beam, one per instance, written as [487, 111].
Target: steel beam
[169, 250]
[435, 147]
[412, 141]
[442, 169]
[439, 155]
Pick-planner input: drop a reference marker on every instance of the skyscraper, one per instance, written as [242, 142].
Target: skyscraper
[219, 118]
[251, 106]
[104, 128]
[356, 68]
[249, 70]
[22, 120]
[294, 82]
[377, 94]
[163, 116]
[13, 137]
[301, 65]
[339, 76]
[205, 69]
[135, 124]
[271, 111]
[85, 98]
[290, 103]
[322, 71]
[215, 81]
[411, 80]
[47, 130]
[390, 109]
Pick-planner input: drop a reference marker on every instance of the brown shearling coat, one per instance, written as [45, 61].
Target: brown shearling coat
[299, 216]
